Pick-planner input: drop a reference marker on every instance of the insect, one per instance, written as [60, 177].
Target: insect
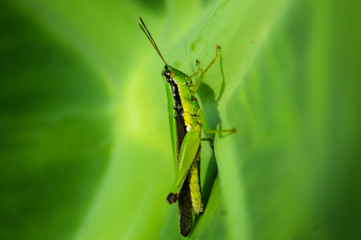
[186, 120]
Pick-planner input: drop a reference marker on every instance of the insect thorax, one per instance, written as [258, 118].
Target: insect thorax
[185, 105]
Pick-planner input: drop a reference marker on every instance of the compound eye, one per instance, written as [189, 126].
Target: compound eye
[167, 73]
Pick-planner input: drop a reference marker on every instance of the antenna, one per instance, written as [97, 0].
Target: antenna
[149, 36]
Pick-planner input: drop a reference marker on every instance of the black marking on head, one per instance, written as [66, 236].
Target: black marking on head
[167, 74]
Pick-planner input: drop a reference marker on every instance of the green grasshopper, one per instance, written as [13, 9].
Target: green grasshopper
[186, 120]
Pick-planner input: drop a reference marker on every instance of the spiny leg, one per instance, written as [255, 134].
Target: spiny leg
[203, 73]
[195, 186]
[208, 130]
[233, 130]
[198, 65]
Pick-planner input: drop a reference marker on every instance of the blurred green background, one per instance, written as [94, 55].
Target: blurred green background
[85, 150]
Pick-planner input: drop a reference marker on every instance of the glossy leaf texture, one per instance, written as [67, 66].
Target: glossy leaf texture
[85, 149]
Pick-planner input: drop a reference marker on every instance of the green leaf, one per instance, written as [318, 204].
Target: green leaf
[85, 148]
